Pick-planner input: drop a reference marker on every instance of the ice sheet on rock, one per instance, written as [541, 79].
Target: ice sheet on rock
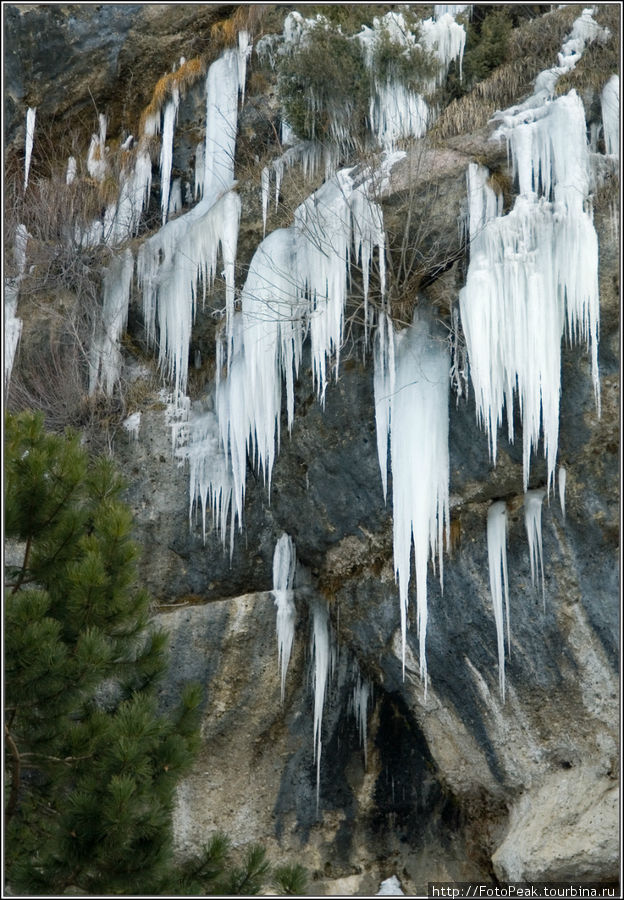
[105, 354]
[562, 488]
[497, 559]
[284, 566]
[610, 102]
[29, 138]
[533, 524]
[417, 414]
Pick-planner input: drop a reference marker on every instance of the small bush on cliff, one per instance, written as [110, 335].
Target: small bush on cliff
[324, 86]
[91, 763]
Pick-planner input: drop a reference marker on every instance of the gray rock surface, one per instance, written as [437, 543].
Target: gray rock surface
[457, 786]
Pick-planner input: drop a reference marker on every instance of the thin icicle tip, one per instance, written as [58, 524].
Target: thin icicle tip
[284, 567]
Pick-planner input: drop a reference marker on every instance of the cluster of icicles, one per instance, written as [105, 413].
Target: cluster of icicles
[532, 278]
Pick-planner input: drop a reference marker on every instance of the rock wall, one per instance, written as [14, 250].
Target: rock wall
[457, 785]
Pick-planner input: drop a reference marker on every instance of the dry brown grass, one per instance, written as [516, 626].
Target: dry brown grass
[224, 33]
[182, 79]
[599, 61]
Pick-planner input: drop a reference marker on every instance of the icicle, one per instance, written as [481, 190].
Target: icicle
[418, 401]
[224, 81]
[361, 695]
[562, 489]
[284, 565]
[454, 9]
[497, 558]
[166, 152]
[29, 140]
[196, 441]
[71, 170]
[532, 272]
[321, 649]
[184, 251]
[397, 112]
[610, 101]
[133, 198]
[200, 168]
[446, 39]
[96, 158]
[265, 183]
[383, 384]
[104, 355]
[533, 523]
[169, 265]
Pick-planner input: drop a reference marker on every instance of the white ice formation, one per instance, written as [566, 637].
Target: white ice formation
[70, 175]
[610, 101]
[96, 157]
[533, 273]
[28, 141]
[323, 666]
[361, 696]
[397, 111]
[12, 324]
[297, 285]
[562, 488]
[180, 260]
[497, 559]
[411, 409]
[166, 151]
[132, 425]
[105, 354]
[284, 566]
[533, 523]
[390, 887]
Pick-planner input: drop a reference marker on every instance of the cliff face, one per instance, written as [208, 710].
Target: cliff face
[457, 784]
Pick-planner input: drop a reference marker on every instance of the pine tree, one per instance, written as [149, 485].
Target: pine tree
[91, 763]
